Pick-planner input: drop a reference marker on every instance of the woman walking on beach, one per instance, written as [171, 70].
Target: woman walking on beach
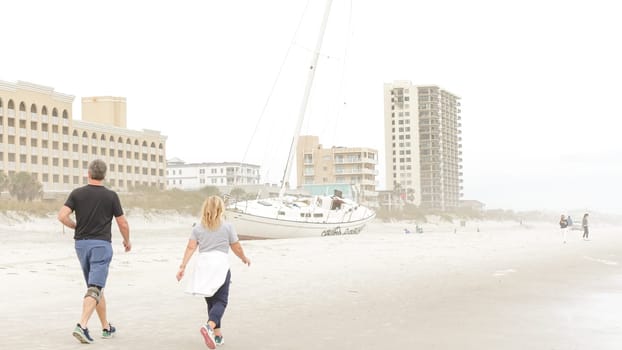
[586, 231]
[563, 225]
[212, 276]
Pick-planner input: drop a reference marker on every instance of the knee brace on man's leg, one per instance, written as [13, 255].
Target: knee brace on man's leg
[94, 292]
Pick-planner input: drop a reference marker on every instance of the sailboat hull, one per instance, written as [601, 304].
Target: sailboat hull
[254, 226]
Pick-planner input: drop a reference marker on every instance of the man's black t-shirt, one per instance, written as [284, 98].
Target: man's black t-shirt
[95, 207]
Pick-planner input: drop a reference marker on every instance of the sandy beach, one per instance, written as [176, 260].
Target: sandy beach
[504, 286]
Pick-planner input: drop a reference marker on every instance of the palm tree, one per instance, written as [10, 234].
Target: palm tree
[4, 181]
[24, 187]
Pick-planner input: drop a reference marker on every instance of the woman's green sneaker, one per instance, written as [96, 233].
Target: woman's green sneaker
[82, 334]
[108, 333]
[219, 340]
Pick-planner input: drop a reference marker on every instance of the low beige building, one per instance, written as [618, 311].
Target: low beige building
[38, 135]
[337, 165]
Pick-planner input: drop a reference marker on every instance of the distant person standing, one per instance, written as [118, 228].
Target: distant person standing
[563, 225]
[213, 237]
[569, 220]
[94, 206]
[586, 230]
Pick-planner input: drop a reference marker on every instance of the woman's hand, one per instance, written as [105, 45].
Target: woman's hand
[180, 273]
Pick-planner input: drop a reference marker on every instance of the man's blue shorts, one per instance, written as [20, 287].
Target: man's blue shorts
[95, 256]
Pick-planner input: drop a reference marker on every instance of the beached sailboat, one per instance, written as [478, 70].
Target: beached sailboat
[290, 216]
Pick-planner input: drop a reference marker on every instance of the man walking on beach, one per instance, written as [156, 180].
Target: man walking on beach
[94, 206]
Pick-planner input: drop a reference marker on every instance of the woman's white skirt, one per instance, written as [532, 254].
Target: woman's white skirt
[210, 272]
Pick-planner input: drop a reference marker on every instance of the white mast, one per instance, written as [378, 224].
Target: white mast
[305, 99]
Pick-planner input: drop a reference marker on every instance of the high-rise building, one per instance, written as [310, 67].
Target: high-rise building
[38, 135]
[423, 144]
[337, 165]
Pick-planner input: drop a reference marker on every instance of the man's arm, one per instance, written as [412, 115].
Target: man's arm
[63, 216]
[124, 228]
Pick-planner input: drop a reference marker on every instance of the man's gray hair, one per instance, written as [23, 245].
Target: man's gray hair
[97, 169]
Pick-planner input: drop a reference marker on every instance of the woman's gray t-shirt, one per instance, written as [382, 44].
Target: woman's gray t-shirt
[219, 239]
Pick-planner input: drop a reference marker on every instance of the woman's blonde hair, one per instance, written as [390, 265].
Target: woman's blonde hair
[211, 212]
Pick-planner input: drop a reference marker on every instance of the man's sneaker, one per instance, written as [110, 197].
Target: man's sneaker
[82, 334]
[208, 335]
[108, 333]
[219, 340]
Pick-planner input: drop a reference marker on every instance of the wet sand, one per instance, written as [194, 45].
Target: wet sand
[505, 287]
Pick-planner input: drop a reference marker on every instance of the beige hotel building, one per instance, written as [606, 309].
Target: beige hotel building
[317, 165]
[423, 143]
[38, 135]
